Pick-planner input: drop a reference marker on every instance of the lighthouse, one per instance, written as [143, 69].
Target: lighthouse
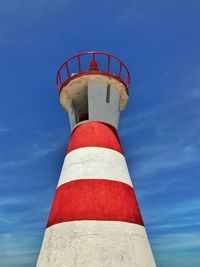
[95, 220]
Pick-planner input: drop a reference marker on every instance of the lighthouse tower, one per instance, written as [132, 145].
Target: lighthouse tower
[95, 220]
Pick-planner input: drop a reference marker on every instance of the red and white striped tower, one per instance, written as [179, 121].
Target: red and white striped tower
[95, 220]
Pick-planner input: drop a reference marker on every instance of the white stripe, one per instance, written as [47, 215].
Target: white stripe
[96, 163]
[96, 244]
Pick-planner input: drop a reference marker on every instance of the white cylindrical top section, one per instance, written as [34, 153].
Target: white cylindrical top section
[94, 98]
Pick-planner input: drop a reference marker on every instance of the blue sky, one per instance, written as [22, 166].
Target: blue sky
[160, 130]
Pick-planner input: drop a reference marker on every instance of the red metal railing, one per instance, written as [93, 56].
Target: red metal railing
[78, 65]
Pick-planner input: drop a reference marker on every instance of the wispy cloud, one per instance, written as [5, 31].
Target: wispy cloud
[12, 163]
[43, 148]
[166, 158]
[48, 142]
[175, 229]
[174, 211]
[44, 143]
[4, 130]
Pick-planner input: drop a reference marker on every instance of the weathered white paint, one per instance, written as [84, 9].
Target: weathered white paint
[95, 244]
[94, 162]
[99, 109]
[71, 113]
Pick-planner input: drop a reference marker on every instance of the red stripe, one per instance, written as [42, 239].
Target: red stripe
[94, 199]
[95, 134]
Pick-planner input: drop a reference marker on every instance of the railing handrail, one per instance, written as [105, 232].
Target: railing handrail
[60, 82]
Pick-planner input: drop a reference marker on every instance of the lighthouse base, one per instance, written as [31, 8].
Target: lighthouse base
[96, 244]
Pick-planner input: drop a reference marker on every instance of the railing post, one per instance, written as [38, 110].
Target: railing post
[67, 70]
[120, 70]
[126, 79]
[93, 56]
[79, 64]
[60, 78]
[108, 63]
[57, 82]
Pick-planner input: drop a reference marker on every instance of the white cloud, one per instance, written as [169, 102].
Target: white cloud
[174, 214]
[12, 163]
[48, 143]
[166, 158]
[4, 130]
[45, 143]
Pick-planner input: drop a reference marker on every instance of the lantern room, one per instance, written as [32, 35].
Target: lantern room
[93, 86]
